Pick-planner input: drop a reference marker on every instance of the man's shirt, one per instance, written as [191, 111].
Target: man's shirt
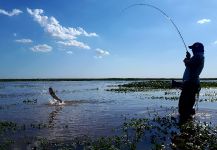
[194, 67]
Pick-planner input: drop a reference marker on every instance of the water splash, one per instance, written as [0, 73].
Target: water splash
[56, 102]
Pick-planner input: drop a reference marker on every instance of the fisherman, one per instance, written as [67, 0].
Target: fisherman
[191, 81]
[53, 95]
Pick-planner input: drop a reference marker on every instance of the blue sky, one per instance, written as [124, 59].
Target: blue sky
[95, 39]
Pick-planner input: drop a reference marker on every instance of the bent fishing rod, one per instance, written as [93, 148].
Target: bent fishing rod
[174, 25]
[164, 14]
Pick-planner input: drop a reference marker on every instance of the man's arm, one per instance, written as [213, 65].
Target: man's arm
[190, 62]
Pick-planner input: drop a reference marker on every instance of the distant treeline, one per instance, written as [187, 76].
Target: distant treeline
[95, 79]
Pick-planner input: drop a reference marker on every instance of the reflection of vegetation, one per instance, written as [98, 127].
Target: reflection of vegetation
[153, 84]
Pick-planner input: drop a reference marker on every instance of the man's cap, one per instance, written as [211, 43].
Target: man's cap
[197, 47]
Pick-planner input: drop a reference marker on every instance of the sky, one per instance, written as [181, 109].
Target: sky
[97, 39]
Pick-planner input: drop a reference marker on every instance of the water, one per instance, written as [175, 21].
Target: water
[88, 109]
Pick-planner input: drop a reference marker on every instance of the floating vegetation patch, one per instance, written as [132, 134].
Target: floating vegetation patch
[154, 132]
[74, 91]
[211, 99]
[8, 129]
[153, 84]
[5, 143]
[173, 98]
[25, 85]
[211, 84]
[171, 93]
[30, 101]
[144, 133]
[142, 86]
[6, 126]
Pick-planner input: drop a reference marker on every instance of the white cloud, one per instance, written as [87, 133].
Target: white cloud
[101, 53]
[41, 48]
[74, 43]
[69, 52]
[85, 33]
[52, 26]
[14, 12]
[203, 21]
[23, 41]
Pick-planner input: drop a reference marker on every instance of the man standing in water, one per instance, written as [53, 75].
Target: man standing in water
[191, 81]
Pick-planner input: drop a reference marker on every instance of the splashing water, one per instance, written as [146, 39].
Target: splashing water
[56, 102]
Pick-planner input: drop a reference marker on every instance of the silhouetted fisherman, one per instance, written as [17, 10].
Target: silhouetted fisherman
[191, 81]
[53, 95]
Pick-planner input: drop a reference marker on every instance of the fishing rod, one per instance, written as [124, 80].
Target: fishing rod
[163, 13]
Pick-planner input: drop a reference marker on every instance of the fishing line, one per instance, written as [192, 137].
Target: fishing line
[163, 13]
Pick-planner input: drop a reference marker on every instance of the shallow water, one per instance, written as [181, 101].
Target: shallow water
[88, 109]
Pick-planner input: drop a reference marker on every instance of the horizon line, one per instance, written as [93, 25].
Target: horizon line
[89, 79]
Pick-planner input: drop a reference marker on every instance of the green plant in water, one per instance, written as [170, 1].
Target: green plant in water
[153, 84]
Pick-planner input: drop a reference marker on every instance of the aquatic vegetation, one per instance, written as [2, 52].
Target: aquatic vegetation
[170, 93]
[5, 143]
[142, 86]
[153, 84]
[30, 101]
[205, 84]
[25, 85]
[6, 126]
[74, 91]
[139, 133]
[195, 136]
[155, 132]
[174, 98]
[210, 99]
